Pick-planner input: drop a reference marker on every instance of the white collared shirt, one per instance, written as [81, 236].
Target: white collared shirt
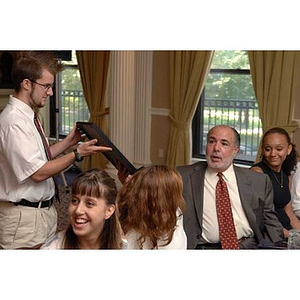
[210, 231]
[295, 191]
[21, 154]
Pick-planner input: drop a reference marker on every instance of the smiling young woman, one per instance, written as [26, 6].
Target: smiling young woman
[279, 160]
[92, 214]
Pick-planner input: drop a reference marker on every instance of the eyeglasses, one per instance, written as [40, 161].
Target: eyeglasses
[45, 86]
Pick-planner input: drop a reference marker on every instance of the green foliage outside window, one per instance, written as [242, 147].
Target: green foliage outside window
[229, 98]
[73, 105]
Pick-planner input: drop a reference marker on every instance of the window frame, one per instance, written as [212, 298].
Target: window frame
[53, 110]
[197, 122]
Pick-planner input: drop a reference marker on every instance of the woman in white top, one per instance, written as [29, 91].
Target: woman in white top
[150, 208]
[295, 191]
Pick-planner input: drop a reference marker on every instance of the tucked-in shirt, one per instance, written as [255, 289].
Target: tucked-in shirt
[210, 225]
[21, 154]
[178, 241]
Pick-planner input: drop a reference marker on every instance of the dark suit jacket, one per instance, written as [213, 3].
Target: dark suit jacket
[256, 195]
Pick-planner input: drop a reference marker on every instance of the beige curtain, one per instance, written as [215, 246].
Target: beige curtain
[93, 67]
[275, 76]
[188, 72]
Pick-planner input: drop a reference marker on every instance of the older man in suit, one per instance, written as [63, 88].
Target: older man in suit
[255, 221]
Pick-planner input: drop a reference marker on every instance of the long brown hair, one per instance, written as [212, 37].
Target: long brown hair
[97, 183]
[148, 203]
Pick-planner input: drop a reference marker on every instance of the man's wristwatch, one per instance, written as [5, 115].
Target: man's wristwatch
[78, 157]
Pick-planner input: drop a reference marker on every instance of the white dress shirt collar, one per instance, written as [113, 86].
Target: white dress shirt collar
[22, 106]
[228, 175]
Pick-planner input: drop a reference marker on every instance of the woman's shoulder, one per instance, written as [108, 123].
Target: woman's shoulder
[131, 240]
[55, 242]
[260, 167]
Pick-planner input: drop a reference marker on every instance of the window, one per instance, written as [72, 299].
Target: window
[71, 105]
[228, 98]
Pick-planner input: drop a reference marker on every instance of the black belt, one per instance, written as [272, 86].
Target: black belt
[209, 246]
[215, 245]
[25, 202]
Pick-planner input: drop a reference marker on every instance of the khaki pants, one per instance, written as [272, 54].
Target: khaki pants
[25, 227]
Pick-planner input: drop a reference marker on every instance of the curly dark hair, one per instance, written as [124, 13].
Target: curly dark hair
[290, 163]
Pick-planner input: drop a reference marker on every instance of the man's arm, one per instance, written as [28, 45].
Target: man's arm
[70, 140]
[57, 165]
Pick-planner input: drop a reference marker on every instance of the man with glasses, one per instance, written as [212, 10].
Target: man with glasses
[27, 162]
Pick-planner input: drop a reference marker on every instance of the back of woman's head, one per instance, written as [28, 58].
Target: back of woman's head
[290, 162]
[98, 184]
[148, 203]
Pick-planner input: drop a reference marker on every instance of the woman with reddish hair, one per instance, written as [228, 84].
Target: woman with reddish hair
[150, 206]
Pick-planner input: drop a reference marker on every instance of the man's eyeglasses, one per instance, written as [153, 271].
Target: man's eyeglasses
[45, 86]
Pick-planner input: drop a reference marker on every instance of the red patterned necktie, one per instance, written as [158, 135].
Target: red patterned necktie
[46, 147]
[39, 128]
[227, 230]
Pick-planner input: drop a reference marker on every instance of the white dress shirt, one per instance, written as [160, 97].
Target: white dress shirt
[21, 154]
[295, 191]
[210, 226]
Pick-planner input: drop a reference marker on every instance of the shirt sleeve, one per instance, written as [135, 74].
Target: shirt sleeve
[21, 149]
